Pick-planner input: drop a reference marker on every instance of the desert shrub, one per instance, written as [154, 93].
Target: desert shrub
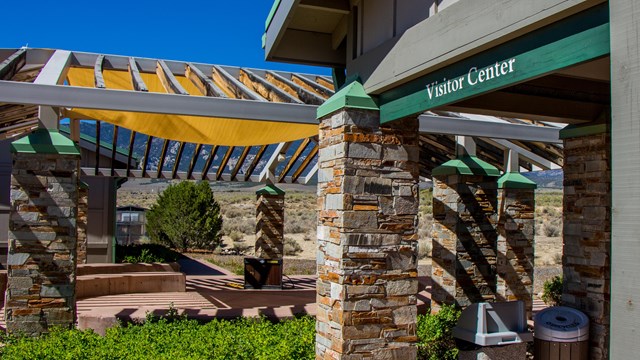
[291, 246]
[549, 199]
[243, 225]
[424, 248]
[552, 291]
[299, 267]
[426, 201]
[255, 338]
[435, 337]
[557, 258]
[145, 253]
[236, 236]
[551, 229]
[186, 216]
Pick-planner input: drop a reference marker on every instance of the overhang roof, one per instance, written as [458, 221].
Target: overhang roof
[111, 91]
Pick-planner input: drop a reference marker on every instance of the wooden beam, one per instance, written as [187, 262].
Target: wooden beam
[136, 80]
[231, 86]
[176, 164]
[207, 164]
[241, 160]
[224, 162]
[202, 82]
[97, 72]
[340, 32]
[324, 82]
[294, 158]
[147, 151]
[304, 164]
[265, 89]
[98, 146]
[10, 66]
[312, 86]
[294, 89]
[163, 155]
[194, 160]
[169, 82]
[254, 162]
[114, 142]
[132, 138]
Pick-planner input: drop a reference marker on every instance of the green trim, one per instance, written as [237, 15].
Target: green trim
[272, 13]
[466, 165]
[264, 40]
[45, 141]
[573, 131]
[351, 96]
[270, 190]
[83, 185]
[577, 39]
[515, 180]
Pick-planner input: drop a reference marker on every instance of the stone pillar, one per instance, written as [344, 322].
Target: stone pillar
[270, 223]
[83, 208]
[464, 230]
[587, 229]
[5, 201]
[516, 223]
[367, 240]
[42, 233]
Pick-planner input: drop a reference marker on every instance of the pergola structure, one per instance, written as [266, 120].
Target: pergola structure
[207, 122]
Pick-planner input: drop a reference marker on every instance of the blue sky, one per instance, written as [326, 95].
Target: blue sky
[221, 32]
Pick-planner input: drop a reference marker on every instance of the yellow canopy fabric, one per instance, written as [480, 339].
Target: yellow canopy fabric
[195, 129]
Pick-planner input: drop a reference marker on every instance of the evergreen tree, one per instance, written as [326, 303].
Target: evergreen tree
[186, 216]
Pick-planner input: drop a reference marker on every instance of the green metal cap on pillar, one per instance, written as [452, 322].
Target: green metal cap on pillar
[466, 165]
[45, 141]
[270, 190]
[351, 96]
[515, 180]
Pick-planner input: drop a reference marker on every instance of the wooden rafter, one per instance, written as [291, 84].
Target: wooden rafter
[132, 138]
[207, 164]
[136, 80]
[324, 82]
[163, 155]
[294, 158]
[265, 88]
[312, 86]
[168, 81]
[202, 82]
[176, 164]
[97, 72]
[294, 89]
[241, 160]
[194, 160]
[10, 66]
[254, 162]
[231, 86]
[304, 164]
[147, 151]
[114, 142]
[224, 162]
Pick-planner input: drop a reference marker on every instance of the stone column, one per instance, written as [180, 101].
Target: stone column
[270, 223]
[5, 201]
[367, 240]
[464, 230]
[516, 223]
[83, 208]
[42, 233]
[586, 256]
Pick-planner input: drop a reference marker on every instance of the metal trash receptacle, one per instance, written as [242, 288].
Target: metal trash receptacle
[561, 333]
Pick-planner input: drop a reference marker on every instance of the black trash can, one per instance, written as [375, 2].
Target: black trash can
[561, 333]
[262, 273]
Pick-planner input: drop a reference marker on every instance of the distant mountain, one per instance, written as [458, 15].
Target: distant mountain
[547, 179]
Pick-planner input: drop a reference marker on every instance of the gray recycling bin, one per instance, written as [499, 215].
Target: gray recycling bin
[561, 333]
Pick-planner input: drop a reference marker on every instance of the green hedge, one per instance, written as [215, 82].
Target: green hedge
[177, 338]
[145, 253]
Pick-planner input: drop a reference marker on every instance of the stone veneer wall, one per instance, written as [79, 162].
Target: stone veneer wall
[367, 241]
[464, 240]
[83, 207]
[515, 246]
[587, 234]
[270, 226]
[42, 243]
